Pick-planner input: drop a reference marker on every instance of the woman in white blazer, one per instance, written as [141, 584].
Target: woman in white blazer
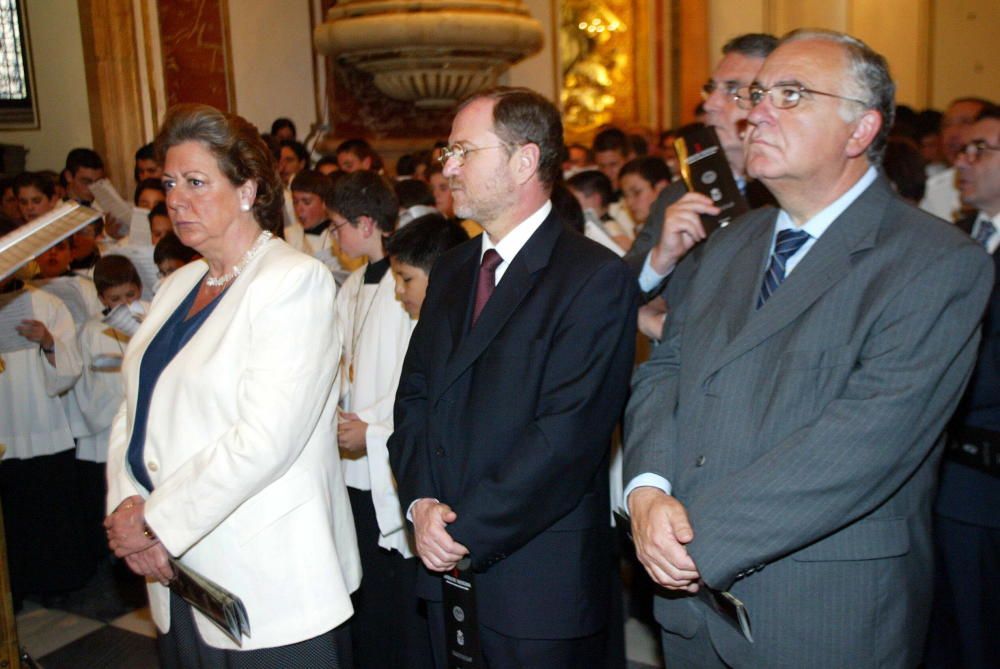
[223, 455]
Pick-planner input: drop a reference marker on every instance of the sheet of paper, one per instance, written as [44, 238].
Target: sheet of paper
[32, 239]
[68, 290]
[14, 308]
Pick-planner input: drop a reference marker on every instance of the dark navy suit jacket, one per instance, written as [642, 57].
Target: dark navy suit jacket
[510, 423]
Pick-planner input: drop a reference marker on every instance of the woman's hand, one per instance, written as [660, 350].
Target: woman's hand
[153, 562]
[126, 528]
[351, 433]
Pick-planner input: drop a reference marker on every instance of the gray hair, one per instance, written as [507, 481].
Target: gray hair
[870, 81]
[752, 45]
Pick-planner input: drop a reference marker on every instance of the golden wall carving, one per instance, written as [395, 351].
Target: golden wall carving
[597, 47]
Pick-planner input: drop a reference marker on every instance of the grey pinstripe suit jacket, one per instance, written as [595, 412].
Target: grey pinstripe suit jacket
[802, 437]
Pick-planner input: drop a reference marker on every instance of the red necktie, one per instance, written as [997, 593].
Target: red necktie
[486, 281]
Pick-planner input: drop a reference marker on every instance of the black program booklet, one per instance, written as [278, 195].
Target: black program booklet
[461, 625]
[705, 170]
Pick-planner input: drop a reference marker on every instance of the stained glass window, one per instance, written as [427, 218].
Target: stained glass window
[16, 99]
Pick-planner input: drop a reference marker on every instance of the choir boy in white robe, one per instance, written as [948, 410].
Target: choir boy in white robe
[38, 476]
[376, 332]
[77, 292]
[312, 234]
[100, 390]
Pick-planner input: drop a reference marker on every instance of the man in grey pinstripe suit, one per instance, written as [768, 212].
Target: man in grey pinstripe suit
[782, 441]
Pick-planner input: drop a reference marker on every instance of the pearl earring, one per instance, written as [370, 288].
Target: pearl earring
[245, 206]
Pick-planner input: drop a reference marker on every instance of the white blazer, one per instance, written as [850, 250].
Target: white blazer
[241, 449]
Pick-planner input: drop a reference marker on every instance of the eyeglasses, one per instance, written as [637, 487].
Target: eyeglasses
[459, 152]
[782, 96]
[974, 149]
[729, 88]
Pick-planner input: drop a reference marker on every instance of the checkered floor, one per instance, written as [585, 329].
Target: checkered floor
[107, 626]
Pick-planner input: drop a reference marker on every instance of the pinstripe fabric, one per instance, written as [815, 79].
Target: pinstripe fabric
[802, 436]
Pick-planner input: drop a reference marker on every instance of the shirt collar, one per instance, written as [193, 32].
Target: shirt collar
[514, 241]
[994, 241]
[818, 224]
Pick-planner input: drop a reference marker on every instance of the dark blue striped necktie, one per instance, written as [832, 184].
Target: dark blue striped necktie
[785, 246]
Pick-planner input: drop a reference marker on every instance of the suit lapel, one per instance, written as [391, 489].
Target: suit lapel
[737, 292]
[517, 281]
[827, 262]
[457, 301]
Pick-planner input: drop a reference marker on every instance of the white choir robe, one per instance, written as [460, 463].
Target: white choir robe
[87, 306]
[318, 246]
[100, 391]
[593, 229]
[374, 346]
[622, 220]
[33, 421]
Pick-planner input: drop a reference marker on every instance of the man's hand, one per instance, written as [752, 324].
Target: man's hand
[660, 529]
[351, 432]
[682, 229]
[652, 316]
[434, 545]
[126, 528]
[153, 562]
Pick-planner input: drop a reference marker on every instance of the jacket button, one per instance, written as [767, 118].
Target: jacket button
[700, 462]
[439, 452]
[152, 466]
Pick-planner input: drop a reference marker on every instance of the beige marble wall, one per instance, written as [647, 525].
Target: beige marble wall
[60, 83]
[937, 49]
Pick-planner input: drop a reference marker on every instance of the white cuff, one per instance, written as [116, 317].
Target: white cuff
[409, 509]
[647, 480]
[649, 278]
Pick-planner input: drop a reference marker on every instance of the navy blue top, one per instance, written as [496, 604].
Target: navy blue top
[167, 343]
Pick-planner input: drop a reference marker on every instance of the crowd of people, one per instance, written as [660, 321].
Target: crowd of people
[323, 383]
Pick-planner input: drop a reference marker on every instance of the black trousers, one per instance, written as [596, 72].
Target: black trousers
[46, 550]
[388, 628]
[505, 652]
[965, 620]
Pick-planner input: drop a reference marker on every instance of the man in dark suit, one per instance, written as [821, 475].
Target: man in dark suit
[514, 379]
[967, 510]
[674, 224]
[783, 440]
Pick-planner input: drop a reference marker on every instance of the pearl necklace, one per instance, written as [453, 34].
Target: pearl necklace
[262, 239]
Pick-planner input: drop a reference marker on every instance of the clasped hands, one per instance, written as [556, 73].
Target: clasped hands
[661, 530]
[438, 551]
[352, 433]
[128, 538]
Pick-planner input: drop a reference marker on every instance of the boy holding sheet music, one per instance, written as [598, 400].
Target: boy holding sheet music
[39, 362]
[100, 390]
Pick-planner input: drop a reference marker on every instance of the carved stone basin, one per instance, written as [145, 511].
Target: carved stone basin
[430, 52]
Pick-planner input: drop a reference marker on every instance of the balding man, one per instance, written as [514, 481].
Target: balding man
[782, 442]
[514, 379]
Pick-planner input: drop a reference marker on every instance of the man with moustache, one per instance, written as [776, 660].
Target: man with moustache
[654, 254]
[941, 196]
[674, 223]
[967, 508]
[783, 440]
[515, 376]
